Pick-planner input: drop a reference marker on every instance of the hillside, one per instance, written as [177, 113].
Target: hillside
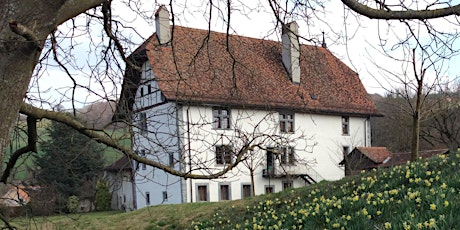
[97, 115]
[420, 195]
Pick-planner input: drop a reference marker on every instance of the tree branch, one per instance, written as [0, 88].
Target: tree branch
[38, 113]
[26, 33]
[31, 147]
[398, 14]
[106, 11]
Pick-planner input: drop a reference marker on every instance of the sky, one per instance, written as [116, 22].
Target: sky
[354, 40]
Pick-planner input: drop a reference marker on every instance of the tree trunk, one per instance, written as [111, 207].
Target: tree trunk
[415, 136]
[25, 25]
[252, 182]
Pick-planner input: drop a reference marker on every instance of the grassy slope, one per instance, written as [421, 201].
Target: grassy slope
[421, 195]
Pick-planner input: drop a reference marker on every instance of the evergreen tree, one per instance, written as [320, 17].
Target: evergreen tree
[69, 160]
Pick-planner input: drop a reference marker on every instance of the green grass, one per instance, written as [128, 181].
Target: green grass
[418, 195]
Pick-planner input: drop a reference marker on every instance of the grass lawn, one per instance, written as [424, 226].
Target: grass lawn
[417, 195]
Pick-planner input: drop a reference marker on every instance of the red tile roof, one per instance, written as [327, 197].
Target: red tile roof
[377, 154]
[402, 158]
[199, 67]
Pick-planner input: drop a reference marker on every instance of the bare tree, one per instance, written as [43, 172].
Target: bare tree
[441, 128]
[34, 35]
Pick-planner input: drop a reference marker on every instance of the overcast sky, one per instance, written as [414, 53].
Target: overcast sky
[355, 41]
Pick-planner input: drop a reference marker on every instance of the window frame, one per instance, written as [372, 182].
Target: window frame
[269, 189]
[197, 189]
[290, 184]
[345, 150]
[228, 192]
[147, 198]
[286, 118]
[143, 127]
[287, 155]
[165, 195]
[345, 125]
[225, 157]
[171, 160]
[143, 154]
[243, 194]
[218, 118]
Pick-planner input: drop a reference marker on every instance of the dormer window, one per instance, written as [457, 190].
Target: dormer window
[286, 122]
[221, 118]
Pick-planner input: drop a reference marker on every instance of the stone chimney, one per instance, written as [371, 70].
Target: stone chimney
[291, 50]
[162, 25]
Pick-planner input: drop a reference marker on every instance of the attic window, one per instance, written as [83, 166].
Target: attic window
[286, 122]
[345, 125]
[221, 118]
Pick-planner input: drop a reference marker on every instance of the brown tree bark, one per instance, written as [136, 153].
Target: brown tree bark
[24, 27]
[384, 12]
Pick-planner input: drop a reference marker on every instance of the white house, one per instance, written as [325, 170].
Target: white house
[203, 100]
[120, 178]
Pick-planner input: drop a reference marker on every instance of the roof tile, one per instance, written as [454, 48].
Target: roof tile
[215, 68]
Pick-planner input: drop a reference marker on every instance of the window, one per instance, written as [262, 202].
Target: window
[287, 184]
[223, 154]
[221, 118]
[286, 122]
[143, 165]
[345, 125]
[270, 169]
[269, 189]
[142, 90]
[224, 192]
[345, 150]
[149, 88]
[202, 193]
[147, 198]
[143, 123]
[247, 190]
[165, 195]
[171, 160]
[287, 156]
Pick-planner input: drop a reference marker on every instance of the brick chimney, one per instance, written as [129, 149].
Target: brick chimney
[162, 25]
[291, 50]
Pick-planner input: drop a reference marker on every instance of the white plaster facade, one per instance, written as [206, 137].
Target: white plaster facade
[180, 131]
[195, 110]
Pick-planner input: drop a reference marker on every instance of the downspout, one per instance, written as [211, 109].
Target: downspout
[179, 146]
[189, 153]
[365, 133]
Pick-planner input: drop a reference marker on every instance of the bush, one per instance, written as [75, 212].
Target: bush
[73, 204]
[103, 196]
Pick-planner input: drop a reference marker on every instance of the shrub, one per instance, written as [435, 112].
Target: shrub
[103, 196]
[72, 204]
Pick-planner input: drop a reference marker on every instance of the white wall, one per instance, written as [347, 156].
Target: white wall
[187, 133]
[159, 142]
[318, 142]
